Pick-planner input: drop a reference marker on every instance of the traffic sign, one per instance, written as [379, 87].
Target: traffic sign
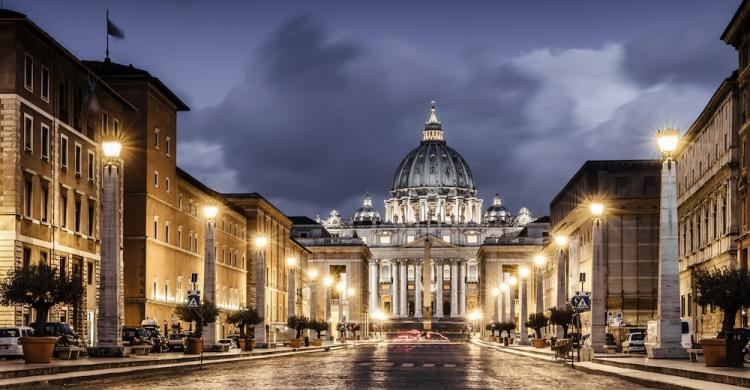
[581, 303]
[193, 301]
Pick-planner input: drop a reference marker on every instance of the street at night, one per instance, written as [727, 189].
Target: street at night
[382, 366]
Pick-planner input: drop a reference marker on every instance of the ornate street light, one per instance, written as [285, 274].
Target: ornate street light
[260, 287]
[209, 270]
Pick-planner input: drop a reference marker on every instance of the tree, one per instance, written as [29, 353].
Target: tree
[206, 314]
[562, 317]
[319, 326]
[298, 323]
[506, 327]
[40, 287]
[537, 321]
[244, 317]
[727, 288]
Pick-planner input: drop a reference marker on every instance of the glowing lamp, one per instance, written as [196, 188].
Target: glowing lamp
[312, 274]
[539, 260]
[111, 149]
[597, 209]
[291, 261]
[561, 240]
[210, 212]
[524, 272]
[667, 140]
[328, 281]
[495, 291]
[261, 242]
[512, 280]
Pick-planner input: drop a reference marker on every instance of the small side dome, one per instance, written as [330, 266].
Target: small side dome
[367, 215]
[497, 214]
[524, 217]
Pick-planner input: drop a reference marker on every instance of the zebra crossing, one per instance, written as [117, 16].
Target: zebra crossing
[408, 365]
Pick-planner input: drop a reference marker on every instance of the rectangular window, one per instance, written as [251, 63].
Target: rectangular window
[45, 201]
[166, 184]
[90, 167]
[166, 232]
[77, 158]
[63, 151]
[43, 257]
[77, 215]
[447, 238]
[179, 238]
[385, 239]
[28, 196]
[156, 139]
[649, 185]
[91, 218]
[63, 207]
[90, 273]
[26, 257]
[115, 127]
[156, 179]
[45, 84]
[105, 123]
[179, 202]
[168, 145]
[62, 101]
[45, 142]
[28, 73]
[156, 229]
[621, 186]
[28, 132]
[472, 239]
[63, 266]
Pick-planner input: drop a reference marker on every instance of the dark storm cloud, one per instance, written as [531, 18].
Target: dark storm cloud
[683, 55]
[319, 120]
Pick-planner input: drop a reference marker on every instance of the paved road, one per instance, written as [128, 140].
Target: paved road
[385, 366]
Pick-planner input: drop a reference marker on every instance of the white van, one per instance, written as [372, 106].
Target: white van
[9, 340]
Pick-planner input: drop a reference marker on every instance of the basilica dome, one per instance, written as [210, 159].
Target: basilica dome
[433, 168]
[497, 213]
[367, 215]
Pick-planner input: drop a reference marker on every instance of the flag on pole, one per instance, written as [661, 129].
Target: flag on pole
[113, 30]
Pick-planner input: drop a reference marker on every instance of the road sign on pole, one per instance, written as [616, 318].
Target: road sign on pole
[581, 302]
[193, 301]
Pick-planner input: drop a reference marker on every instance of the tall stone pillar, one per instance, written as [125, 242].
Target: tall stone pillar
[209, 280]
[501, 305]
[328, 312]
[260, 296]
[539, 293]
[666, 343]
[561, 299]
[523, 317]
[462, 293]
[373, 303]
[418, 289]
[598, 287]
[438, 289]
[111, 306]
[403, 294]
[291, 293]
[314, 300]
[454, 288]
[394, 289]
[512, 304]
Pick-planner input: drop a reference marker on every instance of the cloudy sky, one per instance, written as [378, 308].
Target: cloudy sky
[314, 103]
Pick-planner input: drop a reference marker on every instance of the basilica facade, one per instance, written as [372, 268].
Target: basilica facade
[425, 248]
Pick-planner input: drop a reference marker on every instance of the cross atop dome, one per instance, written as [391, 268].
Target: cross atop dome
[433, 129]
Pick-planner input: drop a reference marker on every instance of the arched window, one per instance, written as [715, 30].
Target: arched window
[472, 273]
[446, 272]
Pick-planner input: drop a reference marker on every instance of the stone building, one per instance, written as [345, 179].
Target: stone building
[424, 252]
[707, 190]
[164, 225]
[627, 279]
[53, 114]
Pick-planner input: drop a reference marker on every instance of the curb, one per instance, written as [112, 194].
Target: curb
[170, 365]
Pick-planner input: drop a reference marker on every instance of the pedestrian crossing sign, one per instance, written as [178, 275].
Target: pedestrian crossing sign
[581, 302]
[193, 301]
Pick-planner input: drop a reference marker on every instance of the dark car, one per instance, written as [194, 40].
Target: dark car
[134, 336]
[66, 336]
[153, 335]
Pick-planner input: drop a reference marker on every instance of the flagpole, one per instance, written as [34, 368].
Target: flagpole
[106, 57]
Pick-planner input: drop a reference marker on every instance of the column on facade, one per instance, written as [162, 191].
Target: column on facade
[470, 210]
[462, 292]
[403, 294]
[501, 298]
[598, 287]
[314, 300]
[373, 303]
[523, 286]
[291, 293]
[438, 289]
[454, 288]
[423, 209]
[418, 289]
[394, 288]
[512, 304]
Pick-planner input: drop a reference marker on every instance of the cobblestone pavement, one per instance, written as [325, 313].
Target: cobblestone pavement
[384, 366]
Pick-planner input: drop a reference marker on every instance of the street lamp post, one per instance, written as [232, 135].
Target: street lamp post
[524, 273]
[209, 272]
[665, 333]
[111, 306]
[260, 289]
[598, 279]
[561, 294]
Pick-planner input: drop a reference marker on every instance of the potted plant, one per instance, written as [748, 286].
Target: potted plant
[39, 287]
[355, 327]
[728, 289]
[562, 317]
[299, 324]
[537, 321]
[506, 327]
[492, 327]
[242, 318]
[205, 314]
[318, 326]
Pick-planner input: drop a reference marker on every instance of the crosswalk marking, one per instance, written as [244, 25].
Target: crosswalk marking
[449, 365]
[365, 363]
[407, 365]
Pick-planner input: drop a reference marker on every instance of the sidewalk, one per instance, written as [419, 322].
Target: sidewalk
[16, 373]
[659, 373]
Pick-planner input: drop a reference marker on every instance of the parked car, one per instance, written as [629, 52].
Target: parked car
[66, 335]
[634, 342]
[228, 342]
[134, 336]
[9, 346]
[153, 334]
[609, 339]
[176, 342]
